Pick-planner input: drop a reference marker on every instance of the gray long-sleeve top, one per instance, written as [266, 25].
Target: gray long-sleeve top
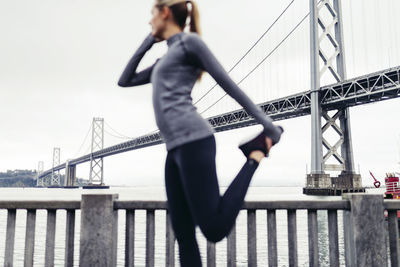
[173, 77]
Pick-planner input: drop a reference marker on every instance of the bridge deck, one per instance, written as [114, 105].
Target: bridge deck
[377, 86]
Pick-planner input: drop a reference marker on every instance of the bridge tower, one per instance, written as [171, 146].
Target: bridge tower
[55, 175]
[40, 169]
[96, 164]
[327, 57]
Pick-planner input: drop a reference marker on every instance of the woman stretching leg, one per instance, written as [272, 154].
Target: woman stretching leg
[190, 173]
[194, 198]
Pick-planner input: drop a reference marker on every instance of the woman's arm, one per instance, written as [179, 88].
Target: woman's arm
[203, 57]
[132, 78]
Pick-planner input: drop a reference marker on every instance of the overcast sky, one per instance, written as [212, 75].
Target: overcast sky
[60, 62]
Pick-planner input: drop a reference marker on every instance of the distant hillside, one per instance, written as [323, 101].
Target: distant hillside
[18, 178]
[26, 178]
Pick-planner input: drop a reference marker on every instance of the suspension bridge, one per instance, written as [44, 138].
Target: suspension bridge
[328, 105]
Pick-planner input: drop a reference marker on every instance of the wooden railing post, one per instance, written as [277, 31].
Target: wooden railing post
[393, 237]
[313, 252]
[69, 238]
[349, 250]
[10, 238]
[292, 237]
[170, 243]
[364, 224]
[150, 237]
[272, 240]
[231, 247]
[130, 238]
[98, 238]
[211, 254]
[30, 237]
[251, 238]
[50, 237]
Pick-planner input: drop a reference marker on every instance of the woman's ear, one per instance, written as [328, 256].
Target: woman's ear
[165, 12]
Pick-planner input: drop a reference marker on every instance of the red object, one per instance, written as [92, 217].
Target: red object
[392, 186]
[377, 184]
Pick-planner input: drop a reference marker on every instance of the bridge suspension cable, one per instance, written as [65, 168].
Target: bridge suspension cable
[116, 136]
[116, 133]
[84, 140]
[262, 61]
[249, 50]
[122, 136]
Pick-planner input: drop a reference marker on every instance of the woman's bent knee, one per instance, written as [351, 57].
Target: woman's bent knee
[214, 232]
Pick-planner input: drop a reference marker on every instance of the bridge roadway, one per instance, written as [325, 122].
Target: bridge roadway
[377, 86]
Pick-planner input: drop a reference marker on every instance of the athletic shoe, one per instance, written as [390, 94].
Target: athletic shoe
[256, 142]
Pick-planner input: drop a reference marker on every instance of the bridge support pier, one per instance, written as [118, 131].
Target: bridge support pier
[70, 175]
[324, 184]
[347, 180]
[322, 180]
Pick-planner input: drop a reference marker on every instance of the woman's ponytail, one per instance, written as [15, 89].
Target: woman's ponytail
[194, 18]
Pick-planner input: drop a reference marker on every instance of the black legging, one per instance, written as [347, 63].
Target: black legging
[194, 198]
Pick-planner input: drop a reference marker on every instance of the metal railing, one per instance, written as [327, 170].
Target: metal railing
[363, 222]
[31, 207]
